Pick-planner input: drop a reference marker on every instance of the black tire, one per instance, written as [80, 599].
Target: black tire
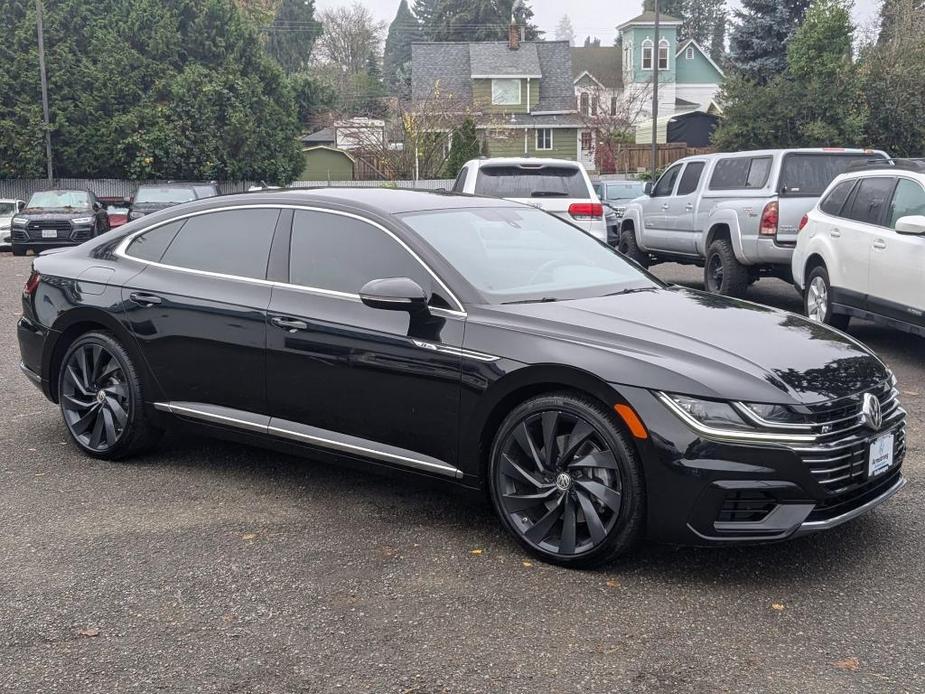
[597, 470]
[722, 273]
[101, 398]
[628, 247]
[19, 251]
[817, 300]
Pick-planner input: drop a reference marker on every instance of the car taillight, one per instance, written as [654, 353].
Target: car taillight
[769, 219]
[586, 210]
[31, 284]
[803, 222]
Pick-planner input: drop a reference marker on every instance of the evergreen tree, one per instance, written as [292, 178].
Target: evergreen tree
[758, 45]
[396, 59]
[705, 22]
[465, 147]
[564, 30]
[672, 8]
[292, 34]
[427, 12]
[475, 20]
[592, 42]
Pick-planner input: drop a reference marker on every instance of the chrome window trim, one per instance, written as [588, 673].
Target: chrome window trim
[120, 251]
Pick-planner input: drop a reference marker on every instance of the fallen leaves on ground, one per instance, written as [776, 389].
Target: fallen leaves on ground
[779, 606]
[476, 552]
[527, 564]
[90, 632]
[249, 536]
[612, 583]
[851, 664]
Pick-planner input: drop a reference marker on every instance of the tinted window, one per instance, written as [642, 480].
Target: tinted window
[909, 199]
[236, 242]
[690, 179]
[624, 191]
[836, 199]
[808, 175]
[460, 184]
[869, 200]
[342, 254]
[54, 199]
[515, 182]
[666, 183]
[739, 173]
[164, 194]
[151, 245]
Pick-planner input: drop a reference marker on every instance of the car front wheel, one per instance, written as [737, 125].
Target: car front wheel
[628, 247]
[566, 482]
[817, 300]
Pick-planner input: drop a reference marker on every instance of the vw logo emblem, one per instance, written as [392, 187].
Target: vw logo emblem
[871, 413]
[563, 481]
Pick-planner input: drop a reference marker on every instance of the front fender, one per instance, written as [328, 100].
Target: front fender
[633, 213]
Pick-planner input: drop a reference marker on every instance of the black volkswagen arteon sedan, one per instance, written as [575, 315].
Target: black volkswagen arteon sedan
[476, 340]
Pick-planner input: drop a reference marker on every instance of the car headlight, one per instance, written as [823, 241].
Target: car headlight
[19, 221]
[135, 215]
[82, 220]
[739, 421]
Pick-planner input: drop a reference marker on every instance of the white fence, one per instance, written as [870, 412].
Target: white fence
[22, 188]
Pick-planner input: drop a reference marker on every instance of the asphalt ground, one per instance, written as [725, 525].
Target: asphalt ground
[213, 567]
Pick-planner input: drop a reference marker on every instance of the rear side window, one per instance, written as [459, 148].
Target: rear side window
[236, 242]
[835, 200]
[151, 245]
[808, 175]
[666, 183]
[460, 185]
[690, 179]
[741, 173]
[543, 182]
[908, 200]
[869, 200]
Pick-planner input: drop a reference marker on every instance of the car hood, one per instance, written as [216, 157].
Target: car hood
[40, 214]
[707, 345]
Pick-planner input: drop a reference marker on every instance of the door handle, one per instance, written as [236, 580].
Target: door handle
[879, 244]
[835, 234]
[290, 324]
[143, 299]
[689, 207]
[665, 206]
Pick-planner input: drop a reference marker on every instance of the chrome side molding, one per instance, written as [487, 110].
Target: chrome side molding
[303, 433]
[456, 351]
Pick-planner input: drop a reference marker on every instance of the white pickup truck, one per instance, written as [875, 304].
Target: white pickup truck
[736, 215]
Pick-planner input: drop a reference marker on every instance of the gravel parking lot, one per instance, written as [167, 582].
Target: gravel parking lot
[211, 567]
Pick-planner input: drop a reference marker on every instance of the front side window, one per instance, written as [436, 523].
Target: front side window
[341, 254]
[869, 200]
[663, 55]
[234, 242]
[647, 54]
[741, 173]
[505, 92]
[908, 200]
[834, 201]
[513, 254]
[544, 138]
[665, 184]
[691, 178]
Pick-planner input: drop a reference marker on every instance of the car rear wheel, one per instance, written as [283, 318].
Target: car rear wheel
[628, 247]
[566, 482]
[817, 300]
[100, 394]
[723, 273]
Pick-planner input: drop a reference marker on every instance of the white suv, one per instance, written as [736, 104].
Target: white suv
[861, 251]
[558, 186]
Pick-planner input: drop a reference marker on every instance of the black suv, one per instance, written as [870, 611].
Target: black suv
[152, 197]
[55, 218]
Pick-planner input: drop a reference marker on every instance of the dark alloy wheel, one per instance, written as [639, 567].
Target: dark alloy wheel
[565, 482]
[100, 396]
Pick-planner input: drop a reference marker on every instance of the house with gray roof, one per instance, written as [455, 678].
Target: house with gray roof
[520, 93]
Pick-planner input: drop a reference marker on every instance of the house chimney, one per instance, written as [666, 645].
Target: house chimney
[513, 36]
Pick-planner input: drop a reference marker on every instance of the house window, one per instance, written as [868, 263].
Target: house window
[587, 141]
[544, 138]
[689, 54]
[663, 55]
[584, 104]
[647, 47]
[505, 92]
[614, 104]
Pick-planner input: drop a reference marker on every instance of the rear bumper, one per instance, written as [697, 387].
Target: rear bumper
[32, 339]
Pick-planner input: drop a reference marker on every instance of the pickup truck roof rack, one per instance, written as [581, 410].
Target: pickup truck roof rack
[917, 165]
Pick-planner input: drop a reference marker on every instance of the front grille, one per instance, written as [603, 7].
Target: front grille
[34, 229]
[857, 496]
[746, 506]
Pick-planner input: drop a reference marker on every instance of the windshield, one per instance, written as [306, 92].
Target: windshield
[808, 175]
[53, 199]
[164, 194]
[114, 210]
[520, 254]
[7, 208]
[624, 191]
[542, 182]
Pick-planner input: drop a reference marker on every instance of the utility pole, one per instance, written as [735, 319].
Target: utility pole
[39, 12]
[656, 50]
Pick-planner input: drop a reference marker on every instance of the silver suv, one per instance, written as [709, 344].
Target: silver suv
[736, 215]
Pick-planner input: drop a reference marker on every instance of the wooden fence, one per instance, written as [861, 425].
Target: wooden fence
[636, 158]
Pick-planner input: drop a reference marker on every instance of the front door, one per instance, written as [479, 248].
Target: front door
[198, 309]
[587, 149]
[657, 234]
[681, 217]
[356, 376]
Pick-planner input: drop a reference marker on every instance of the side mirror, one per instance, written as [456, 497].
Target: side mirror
[647, 188]
[394, 294]
[21, 205]
[913, 224]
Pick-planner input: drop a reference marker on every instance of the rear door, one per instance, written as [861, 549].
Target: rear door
[803, 177]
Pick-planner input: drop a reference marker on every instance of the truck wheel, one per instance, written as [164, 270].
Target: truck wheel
[631, 249]
[817, 300]
[19, 251]
[722, 273]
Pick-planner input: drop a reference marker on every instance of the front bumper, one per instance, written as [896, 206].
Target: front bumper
[705, 492]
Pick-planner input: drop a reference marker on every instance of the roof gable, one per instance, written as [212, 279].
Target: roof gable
[700, 70]
[648, 19]
[604, 64]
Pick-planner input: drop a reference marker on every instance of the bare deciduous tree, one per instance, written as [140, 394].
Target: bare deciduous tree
[614, 118]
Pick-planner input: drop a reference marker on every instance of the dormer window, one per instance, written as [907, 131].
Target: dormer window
[663, 46]
[647, 54]
[505, 92]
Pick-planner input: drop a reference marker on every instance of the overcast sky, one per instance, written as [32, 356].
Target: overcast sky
[596, 17]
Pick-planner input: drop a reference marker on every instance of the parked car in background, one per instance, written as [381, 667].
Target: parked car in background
[117, 208]
[615, 195]
[861, 251]
[474, 340]
[8, 208]
[558, 186]
[151, 197]
[55, 218]
[735, 215]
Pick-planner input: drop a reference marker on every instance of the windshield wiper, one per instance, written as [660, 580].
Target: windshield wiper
[548, 194]
[544, 300]
[632, 290]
